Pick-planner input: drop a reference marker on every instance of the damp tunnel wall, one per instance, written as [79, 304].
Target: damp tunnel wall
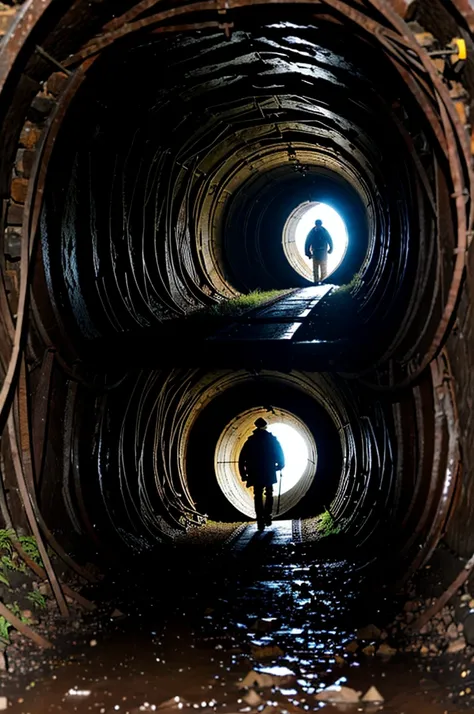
[407, 281]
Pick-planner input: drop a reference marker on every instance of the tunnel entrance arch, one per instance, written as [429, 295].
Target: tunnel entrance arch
[228, 451]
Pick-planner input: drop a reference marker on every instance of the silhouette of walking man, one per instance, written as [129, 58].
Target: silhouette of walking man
[261, 457]
[318, 245]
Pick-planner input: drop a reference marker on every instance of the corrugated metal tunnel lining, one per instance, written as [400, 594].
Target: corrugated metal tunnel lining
[165, 199]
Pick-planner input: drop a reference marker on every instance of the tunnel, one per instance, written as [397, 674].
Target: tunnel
[156, 161]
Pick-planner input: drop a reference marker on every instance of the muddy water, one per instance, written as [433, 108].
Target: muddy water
[199, 623]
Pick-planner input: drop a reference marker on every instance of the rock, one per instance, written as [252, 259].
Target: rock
[369, 651]
[440, 629]
[45, 589]
[466, 597]
[409, 617]
[452, 631]
[3, 703]
[424, 650]
[262, 680]
[370, 632]
[386, 651]
[340, 660]
[372, 695]
[341, 695]
[268, 652]
[426, 629]
[117, 614]
[3, 662]
[252, 698]
[352, 646]
[410, 606]
[456, 645]
[433, 648]
[93, 643]
[447, 619]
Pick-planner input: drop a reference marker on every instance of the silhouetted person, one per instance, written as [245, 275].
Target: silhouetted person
[260, 459]
[318, 245]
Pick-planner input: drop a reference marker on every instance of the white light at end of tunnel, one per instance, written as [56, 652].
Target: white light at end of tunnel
[295, 451]
[333, 223]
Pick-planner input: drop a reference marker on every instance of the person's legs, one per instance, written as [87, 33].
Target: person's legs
[323, 268]
[320, 270]
[258, 498]
[268, 505]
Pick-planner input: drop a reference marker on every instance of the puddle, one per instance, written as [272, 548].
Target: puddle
[188, 641]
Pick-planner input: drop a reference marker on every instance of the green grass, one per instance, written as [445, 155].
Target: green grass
[37, 599]
[344, 290]
[238, 305]
[326, 525]
[6, 626]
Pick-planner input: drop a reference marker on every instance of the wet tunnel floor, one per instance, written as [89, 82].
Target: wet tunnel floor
[198, 623]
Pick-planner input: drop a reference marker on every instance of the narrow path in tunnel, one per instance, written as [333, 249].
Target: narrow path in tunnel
[258, 609]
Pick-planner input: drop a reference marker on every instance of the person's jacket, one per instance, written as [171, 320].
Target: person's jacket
[261, 457]
[319, 240]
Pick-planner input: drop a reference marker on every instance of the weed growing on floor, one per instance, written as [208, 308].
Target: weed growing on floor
[10, 559]
[6, 535]
[6, 626]
[238, 305]
[326, 525]
[354, 284]
[30, 546]
[37, 599]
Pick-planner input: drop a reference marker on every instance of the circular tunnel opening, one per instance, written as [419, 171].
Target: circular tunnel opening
[299, 224]
[298, 446]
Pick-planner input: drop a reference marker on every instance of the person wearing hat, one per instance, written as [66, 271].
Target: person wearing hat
[318, 245]
[260, 459]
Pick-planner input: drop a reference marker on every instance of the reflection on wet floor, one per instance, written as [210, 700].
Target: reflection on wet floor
[262, 611]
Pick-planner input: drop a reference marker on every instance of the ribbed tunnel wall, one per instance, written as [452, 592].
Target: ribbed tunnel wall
[146, 203]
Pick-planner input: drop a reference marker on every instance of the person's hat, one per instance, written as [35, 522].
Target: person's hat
[260, 423]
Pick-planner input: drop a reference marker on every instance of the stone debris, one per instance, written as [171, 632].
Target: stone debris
[457, 645]
[252, 698]
[443, 633]
[386, 651]
[262, 680]
[339, 695]
[372, 695]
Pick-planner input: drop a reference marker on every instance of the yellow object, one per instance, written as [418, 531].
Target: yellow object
[462, 48]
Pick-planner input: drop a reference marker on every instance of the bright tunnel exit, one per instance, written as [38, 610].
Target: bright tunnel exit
[295, 451]
[297, 227]
[299, 448]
